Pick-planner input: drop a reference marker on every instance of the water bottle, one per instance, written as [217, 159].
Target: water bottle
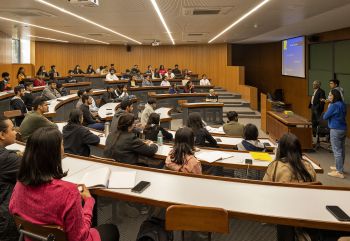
[160, 138]
[107, 125]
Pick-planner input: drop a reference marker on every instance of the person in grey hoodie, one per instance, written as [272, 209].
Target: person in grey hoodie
[125, 107]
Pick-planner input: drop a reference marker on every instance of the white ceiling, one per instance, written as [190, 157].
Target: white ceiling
[277, 20]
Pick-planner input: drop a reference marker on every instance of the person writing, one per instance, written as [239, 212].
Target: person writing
[316, 105]
[41, 196]
[181, 158]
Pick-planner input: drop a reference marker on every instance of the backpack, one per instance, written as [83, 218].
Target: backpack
[153, 229]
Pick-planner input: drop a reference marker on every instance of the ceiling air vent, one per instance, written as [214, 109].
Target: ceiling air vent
[205, 12]
[28, 12]
[195, 11]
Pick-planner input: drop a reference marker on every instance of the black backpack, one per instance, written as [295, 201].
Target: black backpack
[153, 229]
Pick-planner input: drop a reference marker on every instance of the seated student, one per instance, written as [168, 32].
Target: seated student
[9, 165]
[173, 89]
[204, 80]
[88, 119]
[77, 70]
[98, 70]
[28, 96]
[105, 70]
[177, 72]
[149, 70]
[169, 74]
[124, 146]
[112, 67]
[132, 82]
[147, 81]
[162, 70]
[202, 136]
[250, 139]
[135, 70]
[149, 109]
[76, 137]
[212, 97]
[111, 76]
[42, 72]
[93, 107]
[35, 119]
[40, 196]
[53, 72]
[189, 87]
[152, 129]
[4, 83]
[289, 165]
[70, 78]
[39, 81]
[108, 96]
[126, 75]
[21, 75]
[181, 158]
[80, 102]
[156, 74]
[17, 103]
[63, 91]
[50, 92]
[118, 91]
[90, 70]
[186, 80]
[126, 106]
[165, 82]
[232, 127]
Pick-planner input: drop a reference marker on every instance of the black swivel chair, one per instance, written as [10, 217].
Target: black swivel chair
[323, 134]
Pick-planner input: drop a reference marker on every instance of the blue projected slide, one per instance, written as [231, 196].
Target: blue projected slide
[293, 57]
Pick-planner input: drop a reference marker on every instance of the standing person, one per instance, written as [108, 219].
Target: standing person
[153, 127]
[28, 96]
[41, 196]
[124, 146]
[204, 80]
[5, 82]
[17, 103]
[202, 136]
[316, 104]
[126, 106]
[50, 92]
[149, 109]
[35, 119]
[77, 70]
[181, 158]
[88, 119]
[21, 75]
[9, 166]
[233, 127]
[336, 116]
[334, 84]
[76, 137]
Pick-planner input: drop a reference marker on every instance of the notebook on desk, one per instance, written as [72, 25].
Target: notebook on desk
[212, 156]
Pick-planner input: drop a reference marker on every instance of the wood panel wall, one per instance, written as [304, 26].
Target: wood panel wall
[5, 52]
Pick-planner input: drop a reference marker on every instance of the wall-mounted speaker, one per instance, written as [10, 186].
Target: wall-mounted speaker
[128, 48]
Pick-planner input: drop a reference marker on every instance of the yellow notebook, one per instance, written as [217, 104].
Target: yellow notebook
[261, 156]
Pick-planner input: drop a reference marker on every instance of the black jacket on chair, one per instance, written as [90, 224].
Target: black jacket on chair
[317, 104]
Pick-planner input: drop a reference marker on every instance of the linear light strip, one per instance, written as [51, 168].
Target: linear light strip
[155, 5]
[52, 39]
[240, 19]
[50, 29]
[86, 20]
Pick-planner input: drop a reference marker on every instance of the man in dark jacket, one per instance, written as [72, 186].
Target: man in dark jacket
[125, 107]
[316, 105]
[28, 96]
[108, 96]
[76, 137]
[17, 103]
[88, 119]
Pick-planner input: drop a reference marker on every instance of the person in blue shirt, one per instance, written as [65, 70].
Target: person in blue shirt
[336, 116]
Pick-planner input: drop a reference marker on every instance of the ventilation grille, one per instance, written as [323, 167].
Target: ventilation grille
[205, 12]
[195, 34]
[195, 11]
[28, 12]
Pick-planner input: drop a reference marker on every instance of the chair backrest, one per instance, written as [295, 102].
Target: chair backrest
[39, 232]
[195, 218]
[12, 113]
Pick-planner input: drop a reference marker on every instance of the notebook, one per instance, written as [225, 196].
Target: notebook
[261, 156]
[212, 156]
[105, 178]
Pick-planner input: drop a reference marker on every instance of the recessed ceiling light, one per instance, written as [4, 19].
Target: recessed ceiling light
[155, 5]
[240, 19]
[52, 39]
[50, 29]
[86, 20]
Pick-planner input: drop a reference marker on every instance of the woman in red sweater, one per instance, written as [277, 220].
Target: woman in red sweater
[41, 197]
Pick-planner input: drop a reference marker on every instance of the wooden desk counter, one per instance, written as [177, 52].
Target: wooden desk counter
[211, 112]
[277, 124]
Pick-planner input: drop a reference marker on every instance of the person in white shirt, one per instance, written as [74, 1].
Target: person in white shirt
[111, 76]
[204, 80]
[165, 82]
[92, 107]
[169, 74]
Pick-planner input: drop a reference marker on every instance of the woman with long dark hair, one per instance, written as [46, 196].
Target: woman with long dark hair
[336, 116]
[40, 196]
[124, 146]
[289, 165]
[181, 158]
[202, 136]
[152, 129]
[90, 70]
[250, 140]
[21, 75]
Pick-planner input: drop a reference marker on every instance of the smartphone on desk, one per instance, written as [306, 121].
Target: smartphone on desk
[108, 109]
[266, 144]
[141, 186]
[248, 161]
[338, 213]
[109, 113]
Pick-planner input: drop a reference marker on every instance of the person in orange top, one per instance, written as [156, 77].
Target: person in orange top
[181, 158]
[21, 75]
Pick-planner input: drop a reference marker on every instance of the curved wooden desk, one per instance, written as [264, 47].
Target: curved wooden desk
[211, 112]
[266, 202]
[171, 100]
